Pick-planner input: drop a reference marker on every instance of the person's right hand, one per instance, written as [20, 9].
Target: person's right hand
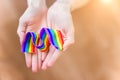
[32, 20]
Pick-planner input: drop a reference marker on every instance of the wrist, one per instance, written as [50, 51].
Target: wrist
[63, 4]
[74, 4]
[37, 3]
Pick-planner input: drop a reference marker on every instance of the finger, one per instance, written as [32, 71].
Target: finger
[67, 44]
[50, 53]
[54, 57]
[44, 54]
[68, 40]
[21, 31]
[34, 62]
[39, 59]
[57, 53]
[28, 59]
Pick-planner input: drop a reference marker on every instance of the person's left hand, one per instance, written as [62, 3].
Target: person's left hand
[59, 17]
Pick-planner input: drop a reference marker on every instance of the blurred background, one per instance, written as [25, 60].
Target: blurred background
[94, 56]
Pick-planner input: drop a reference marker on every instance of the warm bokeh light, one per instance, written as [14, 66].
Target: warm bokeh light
[106, 1]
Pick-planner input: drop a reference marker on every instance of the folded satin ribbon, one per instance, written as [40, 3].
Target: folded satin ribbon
[42, 41]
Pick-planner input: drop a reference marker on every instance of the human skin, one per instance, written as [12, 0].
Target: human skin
[32, 20]
[57, 17]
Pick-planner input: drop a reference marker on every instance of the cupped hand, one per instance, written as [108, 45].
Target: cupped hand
[32, 20]
[59, 17]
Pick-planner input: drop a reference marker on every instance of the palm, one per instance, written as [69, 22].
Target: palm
[59, 17]
[32, 20]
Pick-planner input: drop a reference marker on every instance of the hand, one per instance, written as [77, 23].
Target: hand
[59, 17]
[32, 20]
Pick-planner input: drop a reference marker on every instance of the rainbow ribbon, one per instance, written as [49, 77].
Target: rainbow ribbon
[42, 41]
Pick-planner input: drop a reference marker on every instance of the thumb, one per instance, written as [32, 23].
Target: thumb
[21, 32]
[68, 40]
[67, 44]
